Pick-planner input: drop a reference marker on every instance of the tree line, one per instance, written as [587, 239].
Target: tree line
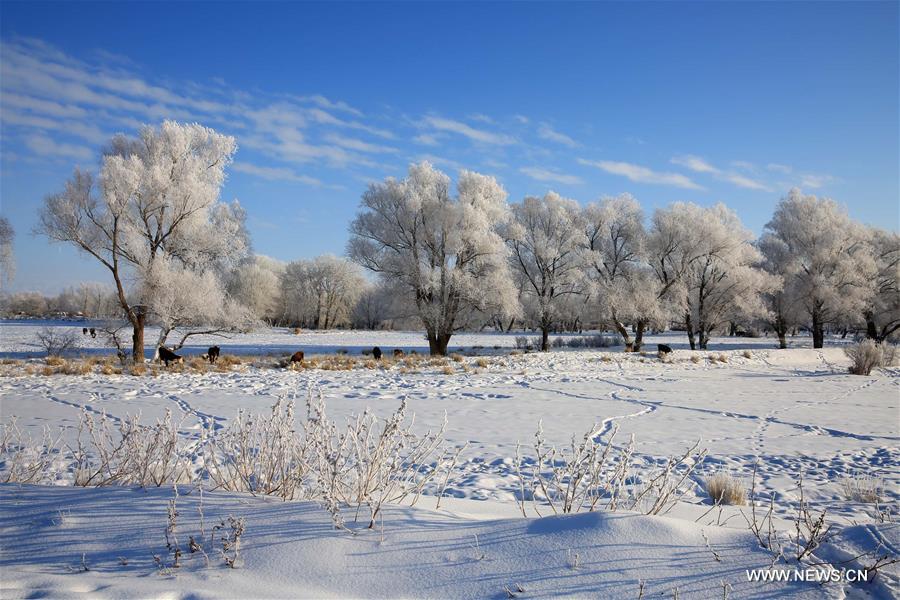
[450, 259]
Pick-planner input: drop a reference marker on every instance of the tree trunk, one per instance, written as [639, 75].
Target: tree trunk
[545, 338]
[437, 343]
[782, 342]
[704, 338]
[623, 331]
[137, 339]
[818, 330]
[871, 328]
[689, 326]
[639, 336]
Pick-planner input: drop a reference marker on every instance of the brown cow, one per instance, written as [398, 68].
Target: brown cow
[297, 357]
[398, 353]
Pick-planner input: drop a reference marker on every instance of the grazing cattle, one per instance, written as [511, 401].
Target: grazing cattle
[212, 354]
[168, 356]
[376, 352]
[84, 331]
[398, 353]
[93, 332]
[297, 357]
[663, 349]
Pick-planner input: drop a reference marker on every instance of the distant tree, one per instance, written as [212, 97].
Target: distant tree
[374, 307]
[7, 256]
[882, 311]
[784, 302]
[256, 283]
[154, 211]
[321, 293]
[443, 252]
[546, 240]
[828, 261]
[617, 262]
[710, 255]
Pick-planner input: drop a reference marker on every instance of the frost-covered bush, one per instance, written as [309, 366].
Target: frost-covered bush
[724, 488]
[862, 488]
[865, 356]
[56, 341]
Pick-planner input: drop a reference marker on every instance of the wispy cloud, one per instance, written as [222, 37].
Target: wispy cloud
[779, 168]
[274, 173]
[45, 146]
[426, 139]
[701, 165]
[546, 132]
[541, 174]
[477, 135]
[641, 174]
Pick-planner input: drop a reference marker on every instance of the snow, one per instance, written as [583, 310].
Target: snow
[795, 410]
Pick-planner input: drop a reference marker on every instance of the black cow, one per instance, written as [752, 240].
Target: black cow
[376, 352]
[168, 356]
[84, 331]
[93, 332]
[212, 354]
[663, 349]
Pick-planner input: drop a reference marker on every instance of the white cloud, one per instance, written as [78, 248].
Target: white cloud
[477, 135]
[541, 174]
[694, 163]
[358, 145]
[811, 180]
[701, 165]
[779, 168]
[274, 173]
[45, 146]
[546, 132]
[642, 174]
[426, 139]
[522, 119]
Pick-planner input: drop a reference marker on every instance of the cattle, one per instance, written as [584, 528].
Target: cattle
[297, 357]
[376, 352]
[663, 349]
[84, 331]
[168, 356]
[212, 354]
[93, 332]
[398, 353]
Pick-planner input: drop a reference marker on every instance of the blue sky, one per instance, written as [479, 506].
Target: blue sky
[705, 102]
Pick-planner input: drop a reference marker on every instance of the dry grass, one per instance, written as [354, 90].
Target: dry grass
[456, 358]
[48, 371]
[297, 331]
[695, 359]
[137, 370]
[722, 358]
[77, 368]
[482, 362]
[747, 354]
[862, 488]
[448, 370]
[724, 488]
[55, 361]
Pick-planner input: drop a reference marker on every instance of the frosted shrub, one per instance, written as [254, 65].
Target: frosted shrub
[258, 454]
[588, 474]
[129, 453]
[24, 459]
[862, 488]
[56, 342]
[723, 488]
[865, 356]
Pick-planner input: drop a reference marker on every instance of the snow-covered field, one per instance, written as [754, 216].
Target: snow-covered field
[795, 411]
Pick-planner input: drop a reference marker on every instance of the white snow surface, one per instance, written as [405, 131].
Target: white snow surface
[795, 411]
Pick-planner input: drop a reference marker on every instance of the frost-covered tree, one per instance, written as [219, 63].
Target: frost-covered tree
[443, 252]
[153, 212]
[711, 256]
[546, 239]
[256, 284]
[785, 309]
[882, 312]
[321, 293]
[375, 306]
[828, 264]
[7, 256]
[624, 286]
